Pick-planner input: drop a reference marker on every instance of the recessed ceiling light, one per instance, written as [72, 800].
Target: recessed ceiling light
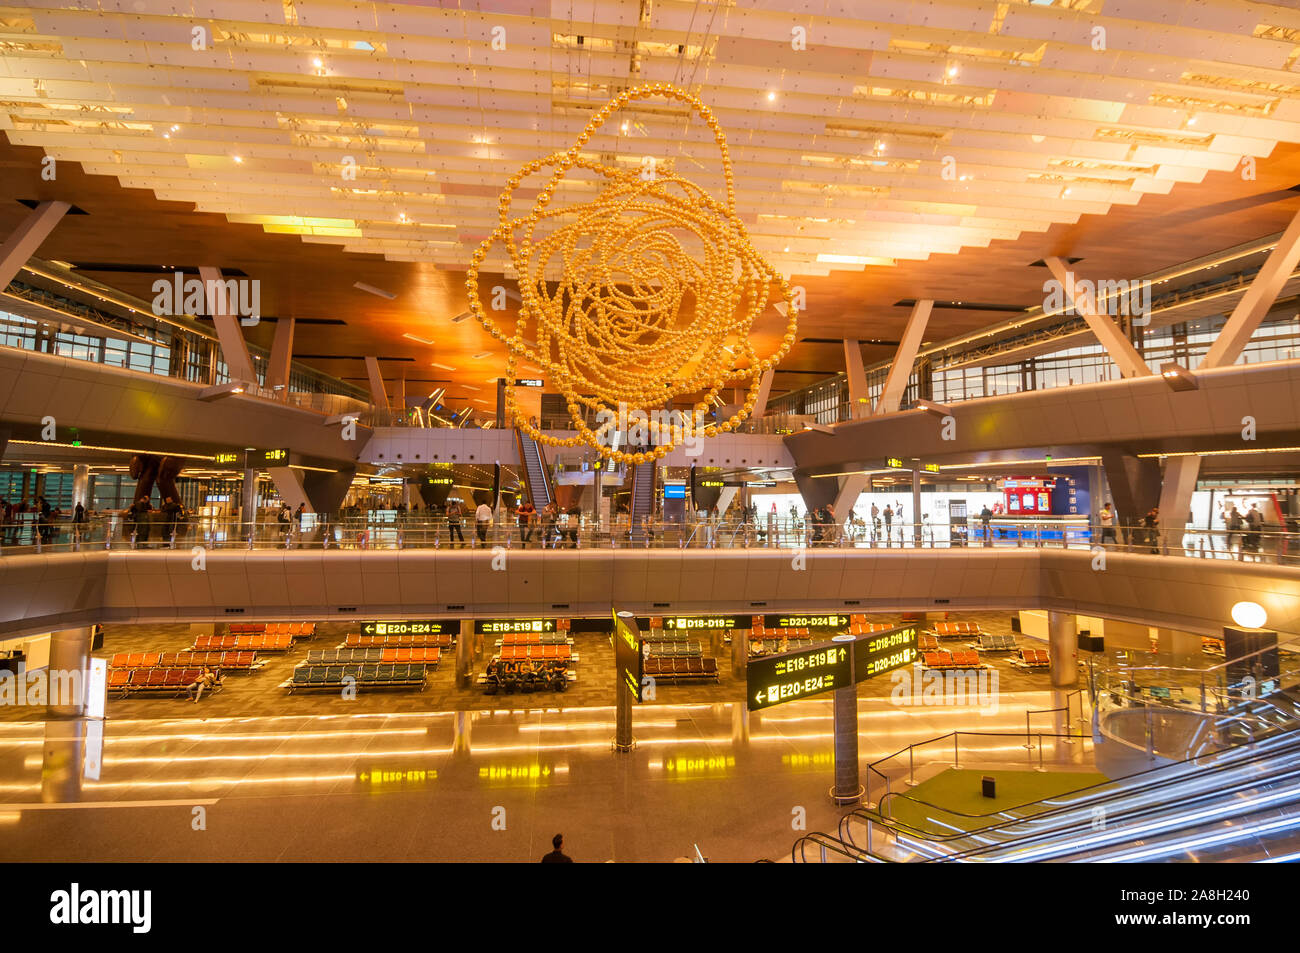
[771, 97]
[442, 367]
[413, 337]
[317, 63]
[371, 289]
[952, 71]
[238, 159]
[481, 355]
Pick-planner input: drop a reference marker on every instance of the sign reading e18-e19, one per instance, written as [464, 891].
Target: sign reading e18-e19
[782, 678]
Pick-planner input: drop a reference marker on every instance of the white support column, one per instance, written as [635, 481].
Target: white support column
[234, 349]
[1176, 496]
[22, 243]
[277, 374]
[859, 402]
[1062, 649]
[1259, 297]
[891, 396]
[378, 392]
[289, 484]
[764, 388]
[81, 485]
[851, 488]
[1119, 347]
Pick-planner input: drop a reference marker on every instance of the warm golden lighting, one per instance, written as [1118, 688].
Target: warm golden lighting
[656, 278]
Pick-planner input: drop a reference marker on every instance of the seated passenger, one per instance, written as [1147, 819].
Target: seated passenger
[206, 679]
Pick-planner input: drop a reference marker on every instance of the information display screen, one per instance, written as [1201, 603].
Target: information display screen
[883, 652]
[410, 627]
[678, 622]
[498, 626]
[831, 620]
[777, 679]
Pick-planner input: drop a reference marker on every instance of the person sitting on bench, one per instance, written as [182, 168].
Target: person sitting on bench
[206, 680]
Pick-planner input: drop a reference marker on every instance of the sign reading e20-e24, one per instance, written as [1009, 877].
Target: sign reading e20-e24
[776, 679]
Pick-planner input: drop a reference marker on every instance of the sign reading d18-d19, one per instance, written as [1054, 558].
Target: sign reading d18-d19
[781, 678]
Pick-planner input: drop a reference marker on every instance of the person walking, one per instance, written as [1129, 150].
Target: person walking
[550, 517]
[1107, 520]
[1254, 531]
[526, 513]
[454, 517]
[986, 514]
[1235, 522]
[483, 521]
[78, 522]
[575, 519]
[1151, 523]
[557, 856]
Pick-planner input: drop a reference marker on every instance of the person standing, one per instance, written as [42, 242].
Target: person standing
[575, 519]
[171, 511]
[284, 520]
[526, 513]
[1151, 523]
[888, 516]
[454, 516]
[142, 523]
[986, 515]
[1254, 530]
[1235, 522]
[483, 521]
[78, 522]
[557, 856]
[550, 517]
[1107, 520]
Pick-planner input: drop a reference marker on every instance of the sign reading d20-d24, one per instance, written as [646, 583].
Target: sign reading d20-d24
[776, 679]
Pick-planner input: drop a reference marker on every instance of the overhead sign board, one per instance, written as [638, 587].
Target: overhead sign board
[280, 455]
[439, 480]
[410, 627]
[529, 382]
[832, 620]
[227, 458]
[678, 622]
[883, 652]
[628, 657]
[776, 679]
[499, 626]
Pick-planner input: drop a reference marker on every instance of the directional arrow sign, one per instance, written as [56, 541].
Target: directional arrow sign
[410, 626]
[832, 620]
[776, 679]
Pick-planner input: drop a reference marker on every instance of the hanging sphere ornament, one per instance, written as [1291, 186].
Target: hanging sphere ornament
[644, 294]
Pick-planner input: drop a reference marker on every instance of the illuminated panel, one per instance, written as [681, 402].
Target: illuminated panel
[700, 622]
[227, 458]
[827, 621]
[278, 455]
[411, 627]
[883, 652]
[628, 657]
[777, 679]
[500, 626]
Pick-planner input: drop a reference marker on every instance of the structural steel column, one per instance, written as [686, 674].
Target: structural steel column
[1259, 297]
[1062, 648]
[859, 401]
[764, 388]
[1116, 343]
[891, 396]
[378, 392]
[69, 652]
[277, 373]
[23, 242]
[851, 488]
[916, 502]
[1176, 497]
[234, 349]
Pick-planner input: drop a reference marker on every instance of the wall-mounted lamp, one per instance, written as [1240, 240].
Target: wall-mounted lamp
[1178, 377]
[228, 389]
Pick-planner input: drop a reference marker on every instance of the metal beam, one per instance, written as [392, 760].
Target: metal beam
[277, 374]
[1117, 345]
[1259, 297]
[891, 396]
[234, 349]
[764, 388]
[378, 392]
[22, 243]
[859, 401]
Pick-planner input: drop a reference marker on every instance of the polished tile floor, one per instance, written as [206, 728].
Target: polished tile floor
[473, 785]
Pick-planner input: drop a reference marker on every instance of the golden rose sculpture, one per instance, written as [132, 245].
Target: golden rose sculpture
[658, 289]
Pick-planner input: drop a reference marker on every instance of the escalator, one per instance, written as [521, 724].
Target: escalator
[643, 498]
[536, 475]
[1238, 803]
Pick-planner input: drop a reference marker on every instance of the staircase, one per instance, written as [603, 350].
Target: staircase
[643, 498]
[535, 473]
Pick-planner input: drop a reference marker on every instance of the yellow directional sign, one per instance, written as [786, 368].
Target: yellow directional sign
[781, 678]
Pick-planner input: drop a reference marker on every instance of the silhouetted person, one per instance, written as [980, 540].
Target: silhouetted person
[557, 856]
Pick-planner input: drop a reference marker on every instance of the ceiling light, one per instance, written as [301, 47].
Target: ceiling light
[371, 289]
[853, 260]
[932, 407]
[238, 159]
[317, 63]
[461, 317]
[229, 389]
[624, 127]
[771, 97]
[481, 356]
[952, 71]
[819, 428]
[1178, 377]
[443, 367]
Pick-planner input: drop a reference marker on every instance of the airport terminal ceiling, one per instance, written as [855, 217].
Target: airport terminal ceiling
[1124, 158]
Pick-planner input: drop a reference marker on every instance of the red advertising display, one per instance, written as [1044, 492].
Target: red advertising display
[1028, 496]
